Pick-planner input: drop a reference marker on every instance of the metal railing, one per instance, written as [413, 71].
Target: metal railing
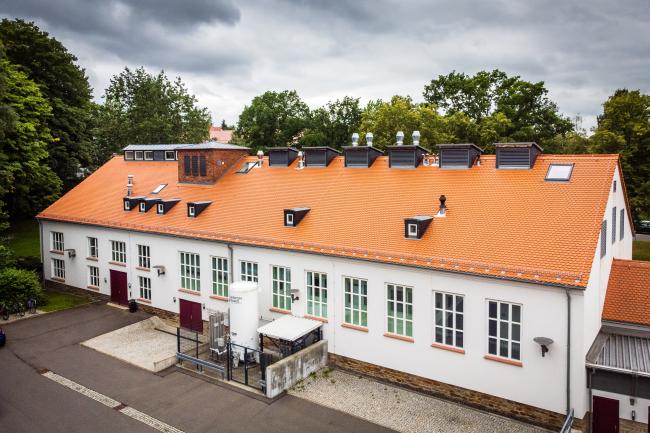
[568, 423]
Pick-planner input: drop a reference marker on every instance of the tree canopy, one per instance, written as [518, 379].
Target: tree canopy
[144, 108]
[64, 85]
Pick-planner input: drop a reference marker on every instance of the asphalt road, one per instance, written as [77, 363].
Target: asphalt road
[31, 403]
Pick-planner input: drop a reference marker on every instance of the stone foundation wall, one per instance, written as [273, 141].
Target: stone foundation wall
[163, 314]
[627, 426]
[501, 406]
[62, 287]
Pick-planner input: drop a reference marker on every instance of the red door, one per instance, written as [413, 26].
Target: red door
[605, 415]
[190, 313]
[119, 289]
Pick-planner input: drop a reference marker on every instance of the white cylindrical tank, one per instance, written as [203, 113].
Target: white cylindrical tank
[244, 314]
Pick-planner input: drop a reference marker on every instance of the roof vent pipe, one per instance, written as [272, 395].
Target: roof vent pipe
[369, 138]
[400, 138]
[301, 160]
[443, 206]
[355, 139]
[416, 138]
[129, 185]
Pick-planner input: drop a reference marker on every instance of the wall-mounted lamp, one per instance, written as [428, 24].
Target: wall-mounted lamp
[105, 280]
[71, 253]
[129, 285]
[174, 299]
[160, 269]
[295, 295]
[204, 306]
[544, 342]
[633, 415]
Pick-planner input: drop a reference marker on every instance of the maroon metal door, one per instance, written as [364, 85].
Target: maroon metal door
[119, 289]
[190, 313]
[605, 415]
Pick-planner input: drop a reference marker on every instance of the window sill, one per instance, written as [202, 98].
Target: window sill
[144, 301]
[57, 252]
[117, 263]
[504, 360]
[95, 288]
[140, 268]
[60, 280]
[355, 327]
[219, 298]
[190, 292]
[320, 319]
[399, 337]
[449, 348]
[94, 259]
[279, 310]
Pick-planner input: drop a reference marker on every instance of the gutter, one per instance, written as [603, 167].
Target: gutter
[617, 370]
[231, 266]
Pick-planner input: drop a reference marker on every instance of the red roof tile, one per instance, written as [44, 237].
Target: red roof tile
[628, 292]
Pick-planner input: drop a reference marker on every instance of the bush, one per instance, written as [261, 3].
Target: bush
[19, 285]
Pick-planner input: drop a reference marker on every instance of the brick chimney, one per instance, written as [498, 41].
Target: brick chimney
[205, 163]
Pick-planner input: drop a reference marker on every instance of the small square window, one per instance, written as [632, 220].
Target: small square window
[170, 155]
[161, 208]
[128, 155]
[127, 205]
[138, 155]
[190, 211]
[143, 207]
[148, 155]
[559, 172]
[289, 219]
[614, 186]
[413, 230]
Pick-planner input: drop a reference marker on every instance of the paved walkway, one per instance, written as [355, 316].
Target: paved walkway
[400, 409]
[31, 402]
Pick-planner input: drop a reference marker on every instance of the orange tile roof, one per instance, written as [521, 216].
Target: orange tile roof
[220, 134]
[502, 223]
[628, 292]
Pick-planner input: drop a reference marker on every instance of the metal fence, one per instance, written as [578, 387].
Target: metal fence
[247, 366]
[568, 423]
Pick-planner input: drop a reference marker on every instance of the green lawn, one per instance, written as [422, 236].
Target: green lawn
[61, 301]
[641, 250]
[23, 238]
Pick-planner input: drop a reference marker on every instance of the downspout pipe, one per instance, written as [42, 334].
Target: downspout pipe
[568, 352]
[231, 265]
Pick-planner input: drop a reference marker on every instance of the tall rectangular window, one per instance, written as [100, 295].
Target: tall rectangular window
[248, 271]
[195, 166]
[186, 165]
[614, 215]
[144, 257]
[118, 251]
[58, 268]
[603, 239]
[504, 329]
[281, 287]
[317, 294]
[93, 276]
[448, 319]
[622, 224]
[57, 241]
[190, 272]
[93, 248]
[356, 301]
[203, 171]
[145, 288]
[220, 276]
[399, 310]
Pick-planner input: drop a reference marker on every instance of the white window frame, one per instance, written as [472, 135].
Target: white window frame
[191, 211]
[118, 251]
[148, 155]
[412, 230]
[58, 241]
[144, 256]
[558, 177]
[220, 276]
[161, 208]
[509, 324]
[349, 308]
[93, 276]
[144, 284]
[281, 287]
[127, 205]
[143, 206]
[399, 323]
[449, 320]
[248, 271]
[190, 266]
[289, 218]
[128, 155]
[167, 152]
[58, 268]
[316, 285]
[159, 188]
[139, 157]
[93, 247]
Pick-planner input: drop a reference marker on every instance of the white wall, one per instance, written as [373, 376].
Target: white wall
[625, 408]
[539, 382]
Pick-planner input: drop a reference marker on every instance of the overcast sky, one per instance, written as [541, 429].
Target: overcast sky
[228, 52]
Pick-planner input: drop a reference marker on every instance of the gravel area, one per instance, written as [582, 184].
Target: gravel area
[398, 408]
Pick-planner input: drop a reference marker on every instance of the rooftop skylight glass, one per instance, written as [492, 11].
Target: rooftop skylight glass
[559, 172]
[159, 188]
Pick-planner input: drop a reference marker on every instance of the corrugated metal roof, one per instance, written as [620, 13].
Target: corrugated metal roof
[625, 352]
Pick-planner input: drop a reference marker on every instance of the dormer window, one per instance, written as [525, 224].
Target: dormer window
[131, 202]
[148, 155]
[293, 216]
[163, 206]
[128, 155]
[191, 210]
[405, 156]
[170, 155]
[319, 156]
[143, 207]
[127, 205]
[139, 155]
[282, 156]
[195, 208]
[415, 227]
[459, 156]
[517, 155]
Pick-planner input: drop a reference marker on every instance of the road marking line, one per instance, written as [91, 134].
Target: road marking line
[113, 404]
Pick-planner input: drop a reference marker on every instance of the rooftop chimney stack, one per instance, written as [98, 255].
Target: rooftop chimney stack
[260, 157]
[416, 138]
[400, 138]
[129, 185]
[443, 206]
[301, 160]
[369, 137]
[355, 139]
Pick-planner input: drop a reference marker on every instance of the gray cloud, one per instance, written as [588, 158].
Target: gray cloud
[229, 52]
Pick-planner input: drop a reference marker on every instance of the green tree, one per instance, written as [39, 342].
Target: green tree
[65, 85]
[272, 119]
[504, 108]
[624, 128]
[333, 124]
[144, 108]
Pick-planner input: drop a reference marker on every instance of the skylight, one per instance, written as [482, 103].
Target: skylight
[247, 167]
[159, 188]
[559, 172]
